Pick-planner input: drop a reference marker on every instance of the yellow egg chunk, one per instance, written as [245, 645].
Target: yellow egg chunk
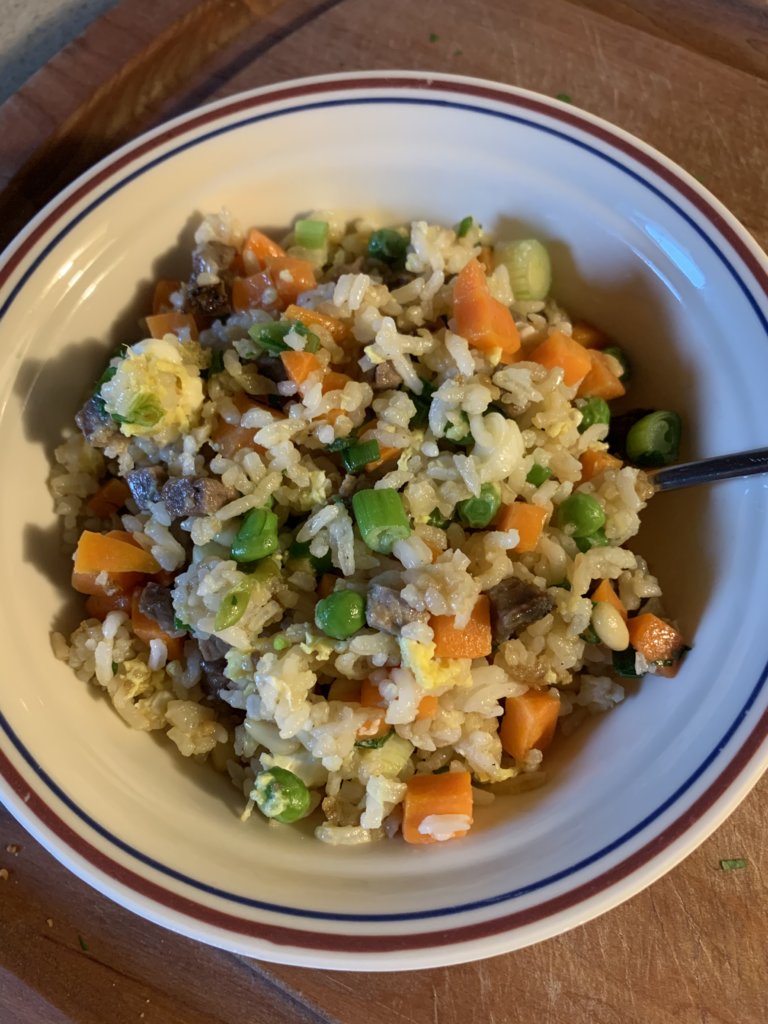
[156, 390]
[433, 673]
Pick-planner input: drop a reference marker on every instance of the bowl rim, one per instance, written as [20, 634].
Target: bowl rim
[466, 941]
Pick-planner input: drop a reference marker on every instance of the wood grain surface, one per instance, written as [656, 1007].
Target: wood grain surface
[688, 76]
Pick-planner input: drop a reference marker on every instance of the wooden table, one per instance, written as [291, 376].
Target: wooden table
[688, 76]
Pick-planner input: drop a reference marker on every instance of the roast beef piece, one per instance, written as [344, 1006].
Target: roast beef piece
[387, 611]
[156, 602]
[213, 680]
[212, 648]
[145, 485]
[212, 258]
[97, 426]
[202, 497]
[386, 377]
[210, 300]
[515, 605]
[271, 367]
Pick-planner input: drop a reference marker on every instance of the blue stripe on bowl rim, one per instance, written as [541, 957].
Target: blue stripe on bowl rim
[583, 125]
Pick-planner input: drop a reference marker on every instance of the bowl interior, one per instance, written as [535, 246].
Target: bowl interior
[626, 256]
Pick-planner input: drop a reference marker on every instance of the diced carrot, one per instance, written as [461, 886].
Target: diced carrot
[291, 277]
[258, 249]
[436, 795]
[601, 381]
[560, 350]
[230, 438]
[481, 319]
[106, 584]
[386, 454]
[326, 584]
[471, 641]
[370, 696]
[147, 629]
[605, 592]
[527, 519]
[658, 641]
[588, 335]
[595, 461]
[161, 324]
[338, 330]
[161, 300]
[111, 496]
[434, 548]
[427, 707]
[299, 365]
[113, 552]
[98, 606]
[529, 721]
[255, 292]
[333, 380]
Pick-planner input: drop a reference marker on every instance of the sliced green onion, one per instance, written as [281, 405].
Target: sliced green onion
[529, 268]
[733, 864]
[178, 624]
[341, 614]
[580, 515]
[341, 444]
[621, 357]
[311, 234]
[538, 474]
[381, 518]
[388, 246]
[257, 536]
[624, 664]
[464, 226]
[593, 410]
[270, 335]
[217, 362]
[233, 605]
[478, 512]
[281, 795]
[422, 402]
[375, 742]
[589, 636]
[300, 551]
[655, 439]
[359, 455]
[108, 374]
[312, 343]
[592, 540]
[436, 518]
[280, 643]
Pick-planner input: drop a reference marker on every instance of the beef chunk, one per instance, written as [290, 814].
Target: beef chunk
[387, 611]
[202, 497]
[515, 605]
[213, 258]
[156, 602]
[210, 300]
[212, 648]
[97, 426]
[145, 485]
[386, 377]
[271, 367]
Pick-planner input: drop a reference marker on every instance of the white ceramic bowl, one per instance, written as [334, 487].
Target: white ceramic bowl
[639, 247]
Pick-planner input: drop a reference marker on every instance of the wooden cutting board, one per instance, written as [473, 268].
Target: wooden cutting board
[688, 76]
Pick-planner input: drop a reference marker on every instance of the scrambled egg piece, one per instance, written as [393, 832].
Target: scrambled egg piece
[155, 390]
[433, 673]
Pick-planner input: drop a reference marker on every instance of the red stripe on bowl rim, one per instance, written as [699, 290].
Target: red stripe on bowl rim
[279, 935]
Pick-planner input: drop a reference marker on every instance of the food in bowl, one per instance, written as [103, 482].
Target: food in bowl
[349, 525]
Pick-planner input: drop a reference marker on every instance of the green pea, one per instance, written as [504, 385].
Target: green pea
[281, 795]
[388, 246]
[478, 512]
[538, 474]
[257, 536]
[341, 614]
[621, 357]
[594, 540]
[580, 515]
[593, 410]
